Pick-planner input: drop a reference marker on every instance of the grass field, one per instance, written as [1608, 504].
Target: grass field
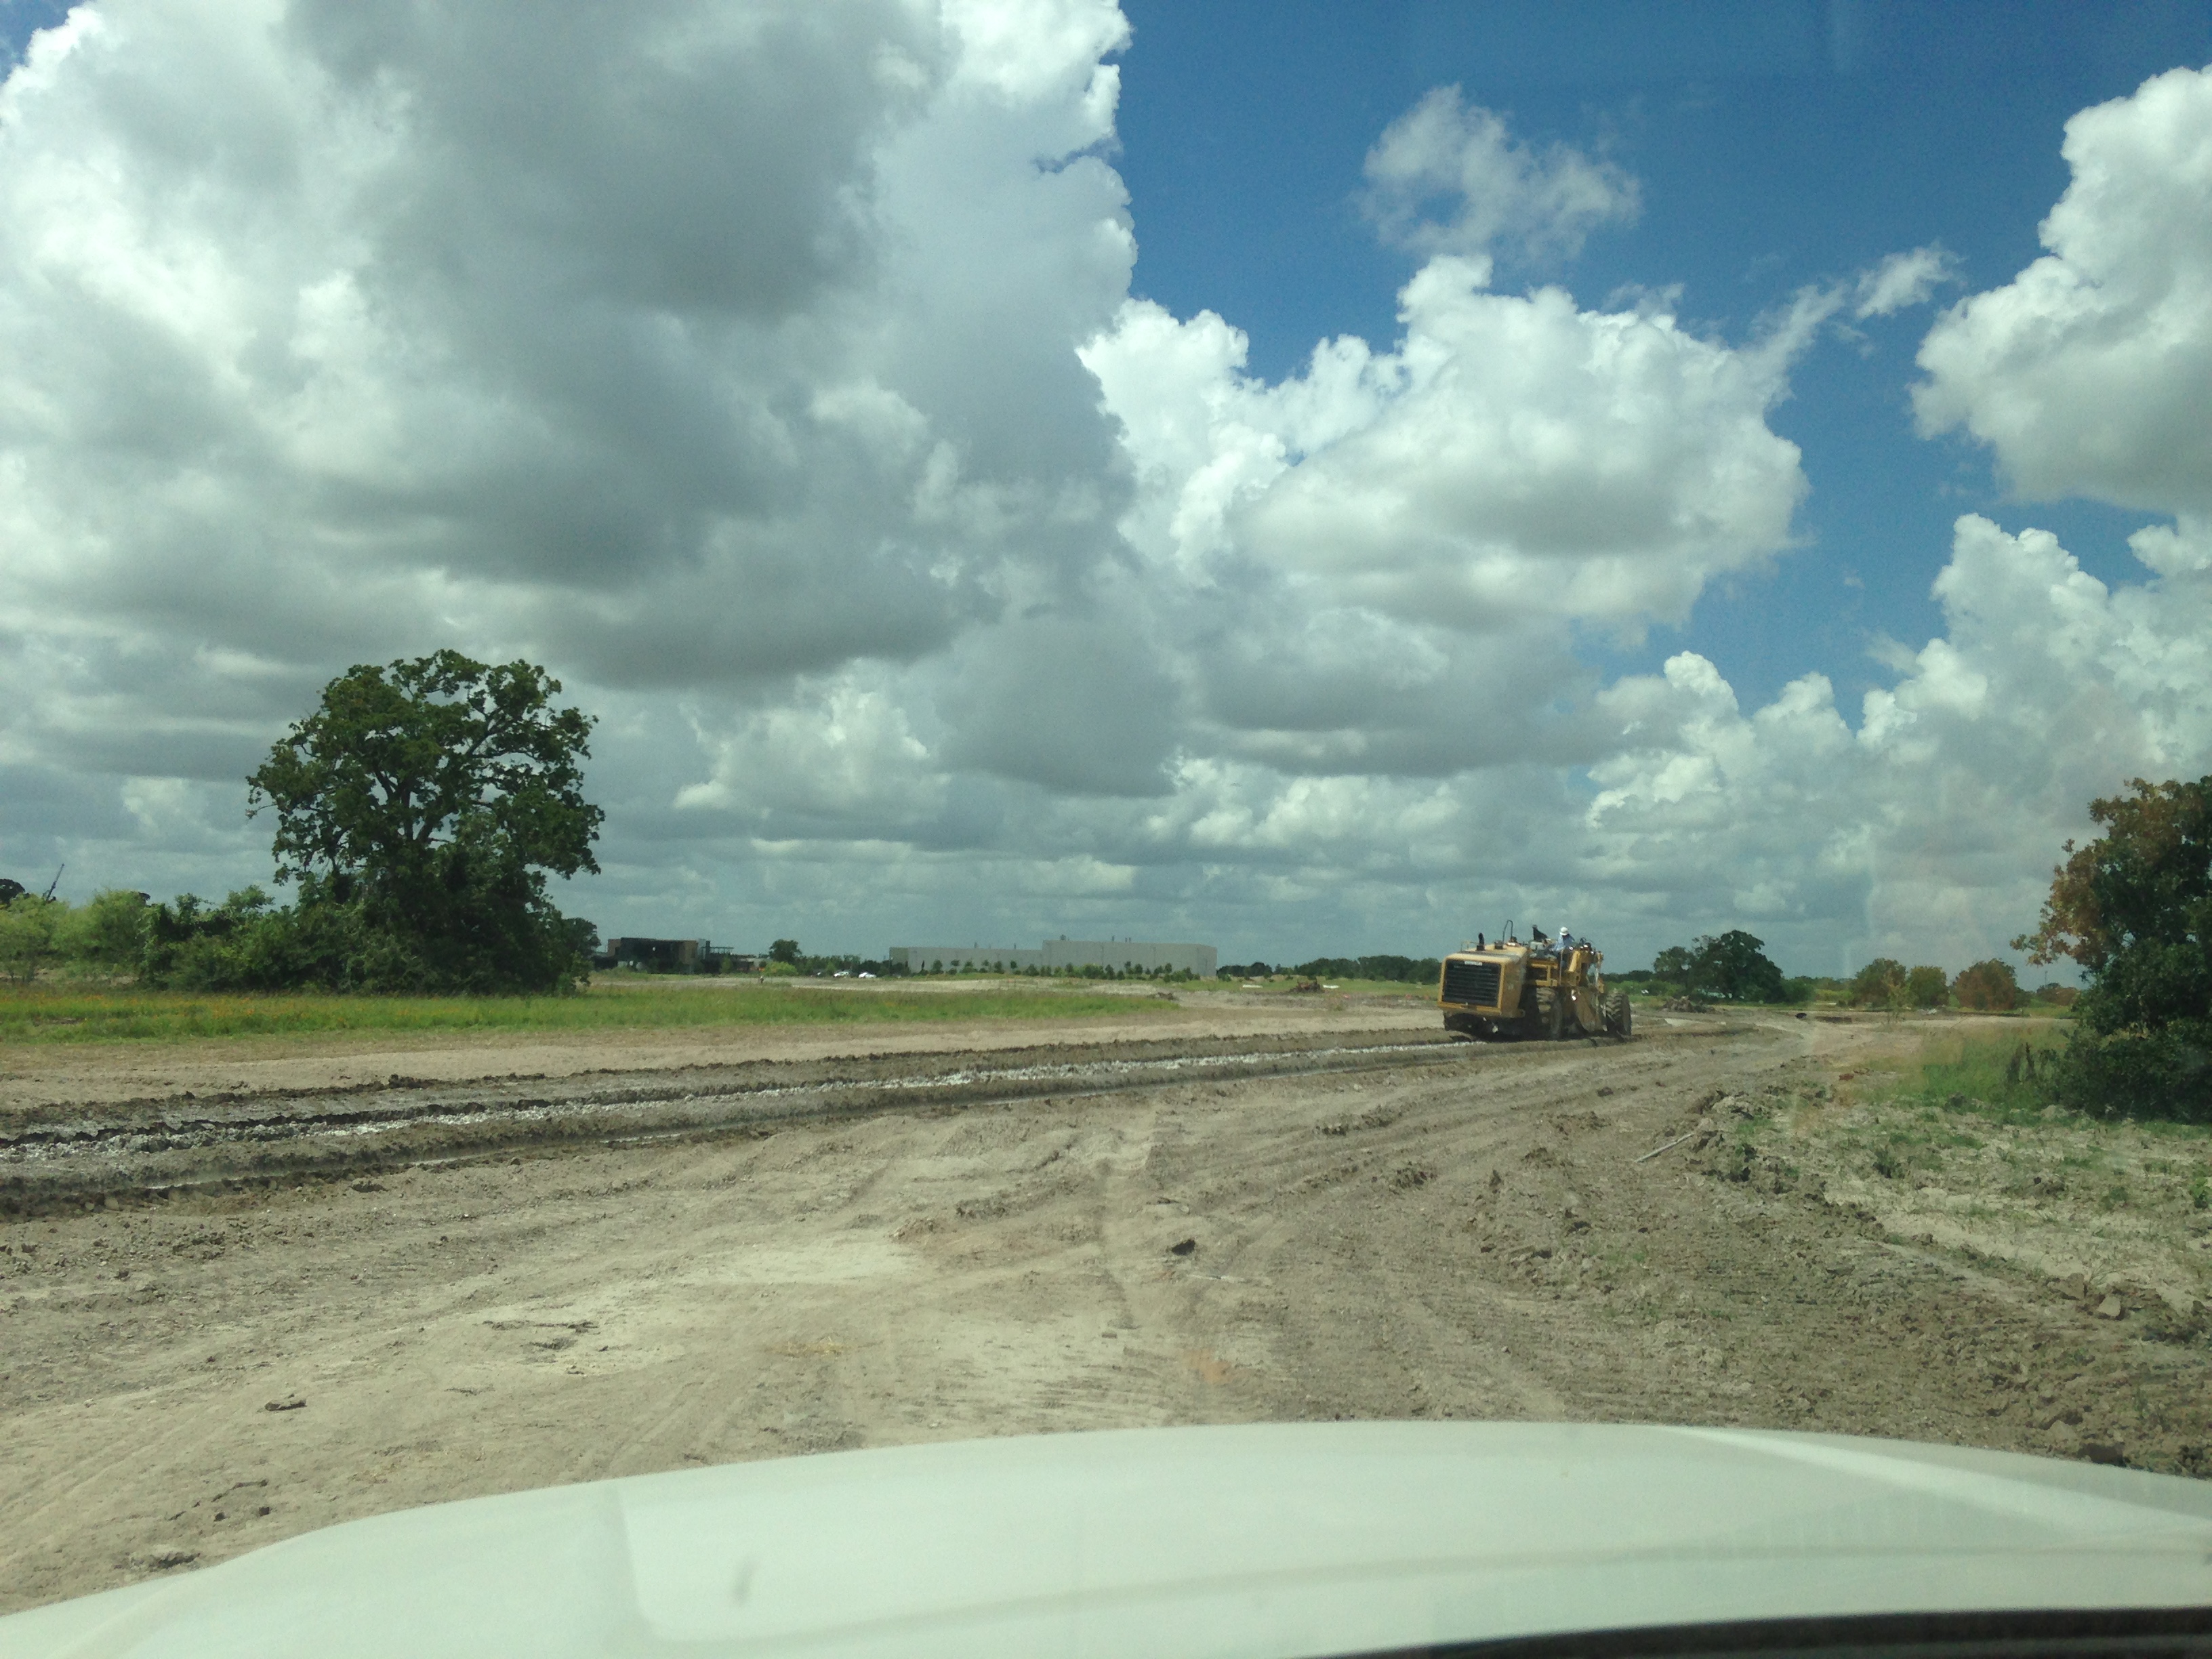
[1987, 1075]
[64, 1014]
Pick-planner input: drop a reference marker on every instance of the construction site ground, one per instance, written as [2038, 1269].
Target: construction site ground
[248, 1292]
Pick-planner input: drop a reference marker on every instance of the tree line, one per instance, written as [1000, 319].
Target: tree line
[2132, 910]
[418, 813]
[1730, 967]
[1734, 967]
[1405, 971]
[420, 808]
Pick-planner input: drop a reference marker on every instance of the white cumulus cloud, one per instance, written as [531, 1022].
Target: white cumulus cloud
[2087, 373]
[1902, 281]
[1365, 551]
[1926, 831]
[1447, 178]
[700, 348]
[771, 371]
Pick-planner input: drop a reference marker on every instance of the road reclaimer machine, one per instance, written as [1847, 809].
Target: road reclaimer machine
[1529, 989]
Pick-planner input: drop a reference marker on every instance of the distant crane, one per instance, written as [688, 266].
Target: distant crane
[47, 897]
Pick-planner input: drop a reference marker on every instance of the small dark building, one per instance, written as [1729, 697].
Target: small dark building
[673, 956]
[656, 956]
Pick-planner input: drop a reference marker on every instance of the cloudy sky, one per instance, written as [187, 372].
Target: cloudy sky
[1301, 477]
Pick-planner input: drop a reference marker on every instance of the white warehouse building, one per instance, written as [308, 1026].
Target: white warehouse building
[1126, 956]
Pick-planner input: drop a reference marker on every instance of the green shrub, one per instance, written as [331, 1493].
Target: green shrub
[249, 943]
[1990, 986]
[2166, 1073]
[108, 934]
[28, 927]
[1880, 984]
[1927, 988]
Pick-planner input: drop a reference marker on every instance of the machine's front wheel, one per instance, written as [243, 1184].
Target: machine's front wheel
[1547, 1019]
[1617, 1019]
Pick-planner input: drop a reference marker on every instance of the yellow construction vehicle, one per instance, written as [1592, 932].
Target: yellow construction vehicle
[1534, 988]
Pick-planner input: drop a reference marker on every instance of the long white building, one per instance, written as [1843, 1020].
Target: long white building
[1126, 956]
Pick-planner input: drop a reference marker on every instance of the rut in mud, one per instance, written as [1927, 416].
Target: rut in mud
[1455, 1232]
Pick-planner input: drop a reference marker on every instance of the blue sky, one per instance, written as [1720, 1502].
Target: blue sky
[1778, 144]
[970, 455]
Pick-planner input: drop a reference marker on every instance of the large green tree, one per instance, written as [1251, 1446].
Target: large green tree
[27, 936]
[1990, 985]
[1735, 967]
[2134, 908]
[1927, 987]
[420, 808]
[1880, 984]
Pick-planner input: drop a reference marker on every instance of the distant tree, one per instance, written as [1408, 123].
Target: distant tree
[2134, 908]
[109, 933]
[28, 924]
[1988, 986]
[1409, 970]
[783, 949]
[1927, 988]
[1673, 964]
[584, 938]
[2061, 996]
[1735, 968]
[419, 809]
[1880, 984]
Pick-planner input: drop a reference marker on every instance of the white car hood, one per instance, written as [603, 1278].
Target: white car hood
[1268, 1539]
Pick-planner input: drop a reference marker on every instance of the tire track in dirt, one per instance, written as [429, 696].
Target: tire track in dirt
[50, 1165]
[1404, 1239]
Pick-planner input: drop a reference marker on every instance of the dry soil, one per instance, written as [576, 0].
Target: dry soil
[1566, 1230]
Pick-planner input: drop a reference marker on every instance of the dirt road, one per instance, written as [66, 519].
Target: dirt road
[1470, 1232]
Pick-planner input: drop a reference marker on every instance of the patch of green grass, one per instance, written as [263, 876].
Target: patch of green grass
[1991, 1077]
[40, 1014]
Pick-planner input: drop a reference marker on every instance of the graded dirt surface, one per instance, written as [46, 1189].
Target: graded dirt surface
[40, 1078]
[1419, 1230]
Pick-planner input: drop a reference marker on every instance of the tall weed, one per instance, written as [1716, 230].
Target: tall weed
[2009, 1078]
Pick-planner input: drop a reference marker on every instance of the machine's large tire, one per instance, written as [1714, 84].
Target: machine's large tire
[1617, 1017]
[1547, 1017]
